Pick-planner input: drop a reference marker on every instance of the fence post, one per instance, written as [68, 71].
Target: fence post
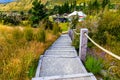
[71, 34]
[83, 44]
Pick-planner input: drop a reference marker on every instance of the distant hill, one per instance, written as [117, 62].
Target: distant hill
[19, 5]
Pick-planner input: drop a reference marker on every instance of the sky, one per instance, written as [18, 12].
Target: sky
[5, 1]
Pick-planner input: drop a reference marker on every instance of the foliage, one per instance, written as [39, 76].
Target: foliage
[104, 29]
[76, 42]
[56, 28]
[48, 24]
[11, 20]
[17, 34]
[63, 26]
[74, 22]
[65, 8]
[19, 57]
[38, 12]
[28, 34]
[104, 3]
[41, 35]
[93, 65]
[109, 23]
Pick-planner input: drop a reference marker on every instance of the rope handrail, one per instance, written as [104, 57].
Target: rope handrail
[76, 32]
[110, 53]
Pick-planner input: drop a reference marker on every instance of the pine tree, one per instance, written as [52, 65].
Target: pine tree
[96, 5]
[104, 3]
[38, 12]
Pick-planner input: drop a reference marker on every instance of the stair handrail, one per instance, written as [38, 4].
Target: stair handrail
[105, 50]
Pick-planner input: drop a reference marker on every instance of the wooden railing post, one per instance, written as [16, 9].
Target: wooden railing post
[71, 34]
[83, 44]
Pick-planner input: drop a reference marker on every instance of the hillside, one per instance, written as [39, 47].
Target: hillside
[18, 5]
[27, 4]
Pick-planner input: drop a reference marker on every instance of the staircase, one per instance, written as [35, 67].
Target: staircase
[60, 62]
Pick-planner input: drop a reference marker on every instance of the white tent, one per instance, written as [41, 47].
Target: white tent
[79, 13]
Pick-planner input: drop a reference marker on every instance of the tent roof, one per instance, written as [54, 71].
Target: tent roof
[79, 13]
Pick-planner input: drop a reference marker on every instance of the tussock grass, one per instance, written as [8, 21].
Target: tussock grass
[19, 55]
[56, 28]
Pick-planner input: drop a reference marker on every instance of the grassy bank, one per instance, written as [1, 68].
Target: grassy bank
[20, 49]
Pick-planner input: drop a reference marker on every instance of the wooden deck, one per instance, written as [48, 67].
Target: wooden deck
[60, 62]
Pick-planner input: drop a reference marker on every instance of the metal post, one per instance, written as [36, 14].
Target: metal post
[83, 44]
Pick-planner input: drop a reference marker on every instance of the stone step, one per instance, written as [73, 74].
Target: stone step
[60, 62]
[67, 38]
[61, 48]
[85, 76]
[53, 66]
[64, 41]
[61, 53]
[64, 38]
[59, 44]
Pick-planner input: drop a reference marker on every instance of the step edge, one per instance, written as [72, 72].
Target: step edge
[66, 76]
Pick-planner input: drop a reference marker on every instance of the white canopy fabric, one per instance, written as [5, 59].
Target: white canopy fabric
[79, 13]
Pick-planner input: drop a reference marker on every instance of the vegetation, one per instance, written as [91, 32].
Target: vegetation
[20, 50]
[56, 28]
[41, 35]
[21, 47]
[103, 24]
[38, 12]
[93, 65]
[65, 8]
[64, 26]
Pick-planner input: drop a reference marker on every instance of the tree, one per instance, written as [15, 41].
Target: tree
[104, 3]
[56, 9]
[96, 5]
[38, 12]
[66, 7]
[93, 6]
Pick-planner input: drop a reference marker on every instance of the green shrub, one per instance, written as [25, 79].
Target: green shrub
[74, 22]
[25, 23]
[41, 35]
[76, 41]
[17, 34]
[93, 65]
[28, 34]
[64, 26]
[13, 20]
[56, 28]
[109, 23]
[48, 24]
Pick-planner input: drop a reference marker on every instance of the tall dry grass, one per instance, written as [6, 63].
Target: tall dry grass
[18, 55]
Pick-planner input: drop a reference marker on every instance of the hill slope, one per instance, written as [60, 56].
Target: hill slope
[19, 5]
